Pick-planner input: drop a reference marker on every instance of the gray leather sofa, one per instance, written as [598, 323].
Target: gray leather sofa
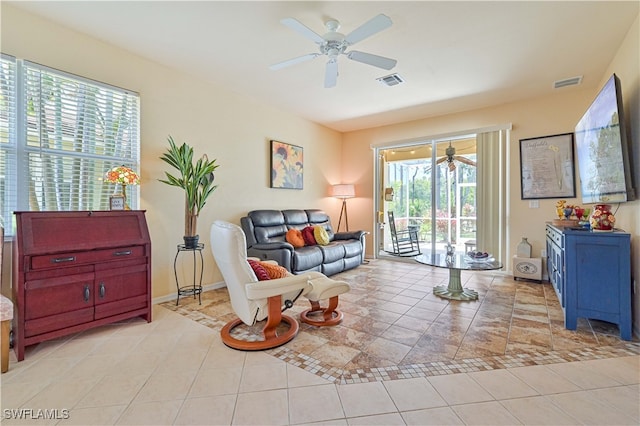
[265, 231]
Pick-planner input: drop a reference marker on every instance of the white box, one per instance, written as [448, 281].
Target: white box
[529, 268]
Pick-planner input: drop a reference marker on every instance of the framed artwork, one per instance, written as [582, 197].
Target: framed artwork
[287, 165]
[116, 202]
[547, 167]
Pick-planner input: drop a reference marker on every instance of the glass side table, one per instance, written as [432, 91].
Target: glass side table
[195, 289]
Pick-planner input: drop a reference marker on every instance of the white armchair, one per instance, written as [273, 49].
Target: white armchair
[254, 300]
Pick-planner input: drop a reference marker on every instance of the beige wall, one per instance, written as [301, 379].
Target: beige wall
[626, 65]
[224, 125]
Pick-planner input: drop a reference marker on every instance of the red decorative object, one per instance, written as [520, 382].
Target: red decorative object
[602, 219]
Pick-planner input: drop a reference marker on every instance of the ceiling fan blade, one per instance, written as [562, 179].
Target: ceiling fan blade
[369, 28]
[465, 160]
[375, 60]
[293, 61]
[331, 73]
[299, 27]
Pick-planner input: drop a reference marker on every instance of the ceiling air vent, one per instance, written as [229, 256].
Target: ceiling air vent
[390, 80]
[573, 81]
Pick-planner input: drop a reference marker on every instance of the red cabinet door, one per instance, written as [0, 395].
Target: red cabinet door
[58, 302]
[120, 289]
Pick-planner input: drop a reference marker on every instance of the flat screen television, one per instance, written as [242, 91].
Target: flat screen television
[603, 149]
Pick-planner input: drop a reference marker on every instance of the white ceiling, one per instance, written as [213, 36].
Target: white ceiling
[454, 56]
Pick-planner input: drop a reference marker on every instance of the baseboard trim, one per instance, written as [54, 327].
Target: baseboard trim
[173, 296]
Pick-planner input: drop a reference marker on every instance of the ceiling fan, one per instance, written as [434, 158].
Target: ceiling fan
[332, 44]
[450, 157]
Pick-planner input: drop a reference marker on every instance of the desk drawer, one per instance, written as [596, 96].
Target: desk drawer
[64, 260]
[555, 236]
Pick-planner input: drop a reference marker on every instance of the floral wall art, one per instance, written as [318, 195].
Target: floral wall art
[287, 165]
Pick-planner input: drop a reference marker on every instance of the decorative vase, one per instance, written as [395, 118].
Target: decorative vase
[524, 248]
[579, 211]
[191, 242]
[568, 211]
[602, 219]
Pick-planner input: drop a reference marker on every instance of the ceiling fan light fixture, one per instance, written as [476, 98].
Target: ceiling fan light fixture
[390, 80]
[332, 26]
[450, 152]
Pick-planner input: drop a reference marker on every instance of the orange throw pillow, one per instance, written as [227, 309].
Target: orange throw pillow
[294, 237]
[274, 271]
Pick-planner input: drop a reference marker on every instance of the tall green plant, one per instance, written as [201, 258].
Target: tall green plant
[196, 178]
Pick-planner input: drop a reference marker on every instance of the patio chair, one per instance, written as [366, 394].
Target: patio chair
[404, 243]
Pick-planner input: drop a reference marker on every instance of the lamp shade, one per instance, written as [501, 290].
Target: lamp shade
[343, 191]
[123, 175]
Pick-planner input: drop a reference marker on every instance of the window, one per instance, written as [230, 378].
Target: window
[7, 139]
[59, 135]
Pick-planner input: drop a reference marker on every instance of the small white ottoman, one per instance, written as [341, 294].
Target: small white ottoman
[323, 288]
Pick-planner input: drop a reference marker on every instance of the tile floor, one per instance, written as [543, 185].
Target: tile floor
[175, 370]
[395, 327]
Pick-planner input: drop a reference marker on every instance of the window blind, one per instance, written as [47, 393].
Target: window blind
[73, 130]
[8, 86]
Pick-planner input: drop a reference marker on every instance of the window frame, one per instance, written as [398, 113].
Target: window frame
[76, 145]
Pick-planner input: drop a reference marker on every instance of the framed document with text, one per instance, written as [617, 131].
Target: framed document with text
[547, 167]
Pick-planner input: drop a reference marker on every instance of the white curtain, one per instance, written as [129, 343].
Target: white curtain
[491, 193]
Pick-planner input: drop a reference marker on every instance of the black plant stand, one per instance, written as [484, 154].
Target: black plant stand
[196, 287]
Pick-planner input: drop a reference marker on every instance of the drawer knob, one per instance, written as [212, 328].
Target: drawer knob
[122, 253]
[101, 290]
[87, 293]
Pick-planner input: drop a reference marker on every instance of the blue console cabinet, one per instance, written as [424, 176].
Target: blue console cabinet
[591, 274]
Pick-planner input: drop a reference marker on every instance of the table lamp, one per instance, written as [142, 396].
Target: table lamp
[124, 176]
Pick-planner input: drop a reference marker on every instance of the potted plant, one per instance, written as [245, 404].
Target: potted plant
[196, 178]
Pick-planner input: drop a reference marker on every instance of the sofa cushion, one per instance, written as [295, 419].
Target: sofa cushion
[295, 238]
[332, 252]
[266, 218]
[269, 234]
[307, 257]
[351, 262]
[333, 268]
[318, 217]
[307, 234]
[352, 248]
[268, 225]
[321, 235]
[295, 218]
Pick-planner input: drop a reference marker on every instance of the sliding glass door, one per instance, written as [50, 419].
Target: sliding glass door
[431, 190]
